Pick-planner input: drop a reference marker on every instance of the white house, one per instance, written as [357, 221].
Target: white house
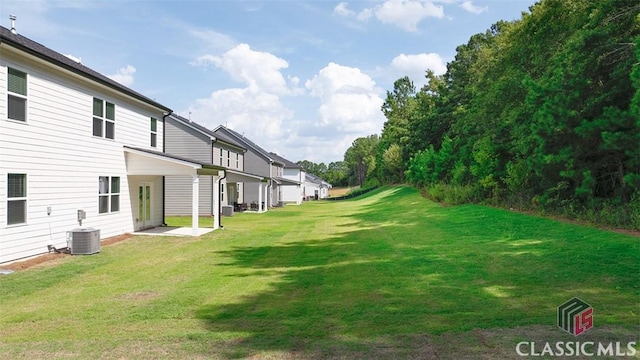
[291, 182]
[315, 188]
[73, 140]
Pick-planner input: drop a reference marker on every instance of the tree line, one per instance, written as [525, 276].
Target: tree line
[538, 113]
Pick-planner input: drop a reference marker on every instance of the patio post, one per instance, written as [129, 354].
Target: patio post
[259, 197]
[194, 205]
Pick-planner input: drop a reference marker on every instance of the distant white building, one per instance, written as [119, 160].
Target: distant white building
[315, 188]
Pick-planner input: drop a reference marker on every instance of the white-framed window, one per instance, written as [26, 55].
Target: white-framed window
[228, 158]
[154, 132]
[16, 95]
[221, 192]
[104, 119]
[220, 156]
[237, 161]
[16, 199]
[108, 194]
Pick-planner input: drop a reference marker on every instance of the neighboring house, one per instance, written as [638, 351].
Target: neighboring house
[315, 187]
[291, 189]
[260, 162]
[73, 141]
[189, 139]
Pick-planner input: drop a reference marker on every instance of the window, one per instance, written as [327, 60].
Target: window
[104, 116]
[154, 132]
[108, 194]
[17, 95]
[221, 192]
[237, 161]
[16, 199]
[228, 158]
[220, 156]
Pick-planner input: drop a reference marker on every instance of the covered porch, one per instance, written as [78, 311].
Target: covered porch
[255, 191]
[145, 176]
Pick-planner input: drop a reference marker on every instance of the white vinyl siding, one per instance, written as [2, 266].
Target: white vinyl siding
[16, 95]
[16, 199]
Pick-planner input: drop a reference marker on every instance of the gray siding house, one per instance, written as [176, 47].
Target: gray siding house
[188, 139]
[260, 162]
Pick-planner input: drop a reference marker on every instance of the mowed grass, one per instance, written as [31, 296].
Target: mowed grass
[387, 275]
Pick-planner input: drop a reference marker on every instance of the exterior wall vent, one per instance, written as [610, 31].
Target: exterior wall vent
[84, 241]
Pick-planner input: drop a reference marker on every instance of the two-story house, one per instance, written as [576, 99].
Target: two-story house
[291, 183]
[73, 144]
[260, 162]
[189, 139]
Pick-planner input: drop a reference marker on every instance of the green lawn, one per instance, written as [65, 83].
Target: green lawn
[387, 275]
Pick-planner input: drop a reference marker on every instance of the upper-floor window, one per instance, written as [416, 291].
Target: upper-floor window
[17, 95]
[16, 199]
[154, 132]
[104, 117]
[237, 161]
[108, 194]
[220, 156]
[228, 158]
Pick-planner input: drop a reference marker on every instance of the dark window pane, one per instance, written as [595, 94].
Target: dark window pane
[97, 107]
[17, 82]
[103, 204]
[103, 185]
[154, 124]
[16, 212]
[17, 108]
[110, 130]
[115, 203]
[154, 140]
[97, 127]
[111, 111]
[17, 184]
[115, 185]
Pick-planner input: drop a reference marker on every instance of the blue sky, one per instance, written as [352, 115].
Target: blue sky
[300, 78]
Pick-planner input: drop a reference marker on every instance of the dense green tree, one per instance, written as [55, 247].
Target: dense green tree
[360, 158]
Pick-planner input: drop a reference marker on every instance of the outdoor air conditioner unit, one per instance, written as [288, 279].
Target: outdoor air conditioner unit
[84, 241]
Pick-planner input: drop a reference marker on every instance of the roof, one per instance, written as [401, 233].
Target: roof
[206, 131]
[315, 179]
[40, 51]
[180, 158]
[287, 163]
[226, 133]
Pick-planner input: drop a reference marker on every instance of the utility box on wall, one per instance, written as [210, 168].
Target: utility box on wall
[84, 241]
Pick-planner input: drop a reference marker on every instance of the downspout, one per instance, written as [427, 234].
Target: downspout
[164, 137]
[220, 197]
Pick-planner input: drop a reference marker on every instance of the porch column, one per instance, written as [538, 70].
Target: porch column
[259, 197]
[267, 196]
[194, 205]
[216, 201]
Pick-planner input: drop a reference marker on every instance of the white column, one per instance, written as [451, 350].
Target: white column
[259, 197]
[194, 205]
[216, 201]
[267, 196]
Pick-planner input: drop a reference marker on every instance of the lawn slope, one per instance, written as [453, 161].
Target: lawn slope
[386, 275]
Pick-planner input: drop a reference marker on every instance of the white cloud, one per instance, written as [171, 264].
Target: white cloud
[260, 71]
[468, 6]
[405, 14]
[416, 66]
[350, 101]
[342, 10]
[259, 115]
[124, 75]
